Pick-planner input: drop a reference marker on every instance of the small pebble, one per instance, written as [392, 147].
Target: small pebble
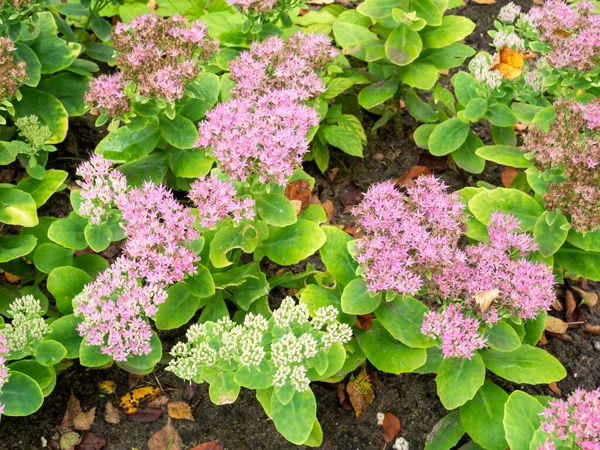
[380, 417]
[597, 345]
[401, 444]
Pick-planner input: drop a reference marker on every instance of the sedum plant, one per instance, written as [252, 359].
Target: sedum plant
[278, 357]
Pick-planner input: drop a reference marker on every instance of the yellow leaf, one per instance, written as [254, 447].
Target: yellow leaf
[131, 400]
[180, 410]
[510, 63]
[107, 387]
[360, 392]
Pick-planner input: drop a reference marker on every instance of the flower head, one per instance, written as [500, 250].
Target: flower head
[509, 12]
[253, 6]
[107, 92]
[481, 68]
[13, 73]
[26, 328]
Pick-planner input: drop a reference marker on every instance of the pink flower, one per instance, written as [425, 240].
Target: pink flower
[107, 93]
[265, 136]
[253, 6]
[217, 199]
[13, 73]
[591, 113]
[509, 13]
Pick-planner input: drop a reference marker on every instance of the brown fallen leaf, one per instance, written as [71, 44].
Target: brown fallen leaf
[562, 337]
[353, 231]
[159, 401]
[208, 446]
[69, 440]
[484, 299]
[180, 411]
[333, 173]
[166, 438]
[12, 279]
[111, 414]
[145, 415]
[360, 392]
[570, 303]
[555, 325]
[378, 157]
[595, 329]
[391, 427]
[190, 392]
[508, 175]
[299, 190]
[543, 339]
[557, 306]
[90, 441]
[364, 321]
[433, 163]
[350, 194]
[73, 410]
[554, 388]
[329, 208]
[131, 401]
[588, 298]
[407, 179]
[484, 2]
[107, 387]
[509, 63]
[297, 206]
[84, 420]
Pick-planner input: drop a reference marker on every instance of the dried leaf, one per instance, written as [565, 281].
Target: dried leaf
[589, 298]
[90, 441]
[555, 325]
[433, 163]
[595, 329]
[73, 410]
[145, 415]
[412, 173]
[189, 392]
[180, 411]
[84, 420]
[69, 440]
[554, 388]
[378, 157]
[12, 279]
[350, 194]
[484, 2]
[107, 387]
[329, 208]
[510, 63]
[557, 306]
[297, 206]
[508, 175]
[166, 438]
[360, 392]
[353, 231]
[391, 427]
[484, 299]
[364, 322]
[543, 339]
[333, 173]
[299, 190]
[111, 414]
[131, 400]
[570, 306]
[159, 401]
[208, 446]
[340, 389]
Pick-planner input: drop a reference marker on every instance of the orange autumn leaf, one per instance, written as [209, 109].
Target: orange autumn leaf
[509, 63]
[180, 410]
[131, 400]
[508, 175]
[360, 392]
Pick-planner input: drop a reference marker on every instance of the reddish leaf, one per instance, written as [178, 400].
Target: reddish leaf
[508, 175]
[554, 388]
[350, 194]
[145, 415]
[299, 190]
[360, 392]
[391, 427]
[90, 441]
[411, 174]
[208, 446]
[364, 322]
[328, 207]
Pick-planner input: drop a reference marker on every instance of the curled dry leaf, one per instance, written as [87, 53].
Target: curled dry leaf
[84, 420]
[391, 427]
[484, 2]
[484, 299]
[299, 190]
[364, 322]
[509, 63]
[180, 411]
[360, 392]
[208, 446]
[131, 401]
[145, 415]
[111, 414]
[12, 279]
[166, 438]
[595, 329]
[90, 441]
[589, 298]
[554, 388]
[412, 173]
[333, 173]
[73, 410]
[297, 206]
[555, 325]
[328, 207]
[69, 440]
[159, 401]
[350, 194]
[508, 175]
[557, 306]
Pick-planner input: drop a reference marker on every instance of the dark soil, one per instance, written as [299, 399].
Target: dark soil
[243, 425]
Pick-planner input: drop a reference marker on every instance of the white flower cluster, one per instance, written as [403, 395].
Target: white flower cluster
[480, 67]
[27, 327]
[289, 341]
[535, 79]
[509, 12]
[512, 40]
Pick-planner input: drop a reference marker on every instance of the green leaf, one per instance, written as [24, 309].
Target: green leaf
[377, 93]
[316, 436]
[98, 236]
[315, 297]
[482, 416]
[448, 57]
[534, 328]
[21, 395]
[578, 262]
[178, 309]
[252, 378]
[223, 390]
[43, 375]
[10, 150]
[144, 364]
[475, 109]
[346, 140]
[419, 75]
[69, 88]
[100, 26]
[544, 118]
[64, 330]
[17, 207]
[507, 155]
[126, 145]
[388, 354]
[50, 352]
[230, 237]
[290, 245]
[466, 156]
[528, 365]
[201, 284]
[49, 110]
[417, 108]
[275, 209]
[48, 257]
[203, 94]
[69, 232]
[464, 87]
[502, 337]
[42, 190]
[403, 319]
[353, 38]
[335, 255]
[524, 111]
[550, 238]
[55, 54]
[452, 29]
[589, 241]
[295, 419]
[448, 136]
[446, 433]
[13, 247]
[425, 9]
[422, 134]
[377, 9]
[34, 67]
[64, 283]
[152, 167]
[511, 201]
[179, 132]
[403, 45]
[357, 300]
[504, 136]
[189, 163]
[522, 417]
[500, 115]
[459, 379]
[92, 356]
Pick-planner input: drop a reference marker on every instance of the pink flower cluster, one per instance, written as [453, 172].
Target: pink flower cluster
[265, 136]
[107, 92]
[275, 64]
[570, 147]
[156, 254]
[13, 73]
[100, 187]
[458, 332]
[579, 415]
[217, 199]
[253, 6]
[591, 113]
[407, 237]
[3, 369]
[573, 33]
